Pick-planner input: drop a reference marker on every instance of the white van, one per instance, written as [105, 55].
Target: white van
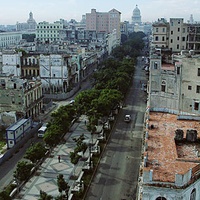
[42, 131]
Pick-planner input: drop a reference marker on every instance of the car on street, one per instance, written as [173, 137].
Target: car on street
[127, 118]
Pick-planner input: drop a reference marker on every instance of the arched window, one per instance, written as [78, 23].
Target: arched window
[161, 198]
[163, 86]
[193, 194]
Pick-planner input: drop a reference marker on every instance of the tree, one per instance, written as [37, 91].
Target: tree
[59, 124]
[45, 196]
[80, 145]
[62, 185]
[51, 137]
[62, 118]
[5, 196]
[74, 157]
[29, 37]
[83, 100]
[35, 152]
[23, 170]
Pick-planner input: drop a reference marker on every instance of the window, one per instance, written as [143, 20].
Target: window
[189, 87]
[177, 46]
[198, 89]
[163, 86]
[178, 29]
[163, 38]
[178, 38]
[193, 194]
[156, 38]
[198, 73]
[161, 198]
[196, 105]
[178, 70]
[171, 32]
[163, 30]
[155, 65]
[183, 30]
[171, 40]
[156, 29]
[183, 38]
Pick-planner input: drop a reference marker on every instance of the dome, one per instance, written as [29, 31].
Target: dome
[136, 11]
[136, 17]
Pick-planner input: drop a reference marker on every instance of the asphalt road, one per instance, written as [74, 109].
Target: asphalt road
[117, 174]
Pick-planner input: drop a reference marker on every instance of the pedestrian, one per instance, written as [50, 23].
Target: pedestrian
[59, 158]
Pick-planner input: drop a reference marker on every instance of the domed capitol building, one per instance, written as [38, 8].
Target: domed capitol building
[137, 24]
[136, 17]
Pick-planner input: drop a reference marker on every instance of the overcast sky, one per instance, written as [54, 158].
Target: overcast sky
[52, 10]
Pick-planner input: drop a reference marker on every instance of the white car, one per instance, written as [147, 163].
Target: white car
[72, 102]
[127, 118]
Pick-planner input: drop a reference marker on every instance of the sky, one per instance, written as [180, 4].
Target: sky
[52, 10]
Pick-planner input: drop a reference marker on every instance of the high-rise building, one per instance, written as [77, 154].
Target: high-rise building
[104, 21]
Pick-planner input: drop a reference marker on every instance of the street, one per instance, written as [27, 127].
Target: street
[117, 174]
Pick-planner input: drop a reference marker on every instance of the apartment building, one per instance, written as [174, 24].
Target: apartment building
[10, 39]
[11, 62]
[112, 41]
[48, 32]
[193, 41]
[22, 96]
[53, 70]
[170, 167]
[175, 35]
[188, 72]
[175, 86]
[104, 21]
[160, 34]
[30, 66]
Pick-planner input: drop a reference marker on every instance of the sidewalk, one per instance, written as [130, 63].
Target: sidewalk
[45, 178]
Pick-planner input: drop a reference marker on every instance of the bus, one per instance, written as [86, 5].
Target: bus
[42, 131]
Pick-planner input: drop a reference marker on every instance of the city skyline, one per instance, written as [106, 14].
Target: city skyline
[52, 10]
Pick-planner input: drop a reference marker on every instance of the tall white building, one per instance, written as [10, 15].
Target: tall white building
[48, 32]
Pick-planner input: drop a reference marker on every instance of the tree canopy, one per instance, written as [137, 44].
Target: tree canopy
[35, 152]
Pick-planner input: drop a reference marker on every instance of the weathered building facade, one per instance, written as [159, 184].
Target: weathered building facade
[21, 96]
[175, 86]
